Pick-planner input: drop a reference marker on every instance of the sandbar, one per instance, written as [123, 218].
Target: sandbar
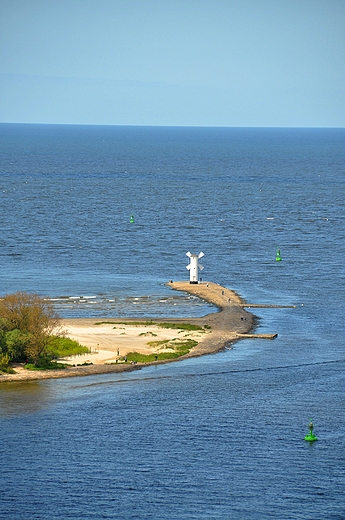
[110, 339]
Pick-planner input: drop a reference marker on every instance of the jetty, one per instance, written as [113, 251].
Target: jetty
[260, 336]
[231, 323]
[230, 320]
[268, 306]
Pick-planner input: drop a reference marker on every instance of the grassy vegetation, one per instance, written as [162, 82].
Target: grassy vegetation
[135, 323]
[45, 364]
[178, 349]
[106, 323]
[173, 348]
[61, 347]
[161, 343]
[181, 326]
[164, 325]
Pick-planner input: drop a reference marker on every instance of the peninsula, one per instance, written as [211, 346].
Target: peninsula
[112, 338]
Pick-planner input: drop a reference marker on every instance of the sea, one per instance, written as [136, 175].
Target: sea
[216, 437]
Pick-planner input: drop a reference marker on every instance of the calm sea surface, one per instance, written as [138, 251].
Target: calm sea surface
[217, 437]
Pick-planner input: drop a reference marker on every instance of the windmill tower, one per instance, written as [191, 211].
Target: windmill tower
[193, 266]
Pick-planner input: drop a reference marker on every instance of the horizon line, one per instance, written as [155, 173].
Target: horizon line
[170, 126]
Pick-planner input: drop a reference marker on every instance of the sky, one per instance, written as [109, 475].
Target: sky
[248, 63]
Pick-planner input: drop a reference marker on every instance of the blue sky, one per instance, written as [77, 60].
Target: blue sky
[172, 62]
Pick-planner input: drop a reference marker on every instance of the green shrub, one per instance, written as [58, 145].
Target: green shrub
[5, 364]
[61, 347]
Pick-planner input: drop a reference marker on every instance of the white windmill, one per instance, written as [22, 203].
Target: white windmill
[194, 266]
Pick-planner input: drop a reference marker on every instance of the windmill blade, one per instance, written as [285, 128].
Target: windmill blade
[201, 267]
[189, 254]
[200, 255]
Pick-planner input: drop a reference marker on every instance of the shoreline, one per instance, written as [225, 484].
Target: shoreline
[224, 326]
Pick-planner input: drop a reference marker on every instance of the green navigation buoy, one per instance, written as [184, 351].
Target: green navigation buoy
[278, 257]
[310, 437]
[131, 220]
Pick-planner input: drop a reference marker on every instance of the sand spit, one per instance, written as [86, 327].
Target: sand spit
[113, 338]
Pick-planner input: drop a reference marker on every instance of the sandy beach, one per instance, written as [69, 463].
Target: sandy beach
[111, 339]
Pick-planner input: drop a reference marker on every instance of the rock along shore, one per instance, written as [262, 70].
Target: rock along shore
[224, 327]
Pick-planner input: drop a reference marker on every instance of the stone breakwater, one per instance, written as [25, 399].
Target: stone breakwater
[225, 325]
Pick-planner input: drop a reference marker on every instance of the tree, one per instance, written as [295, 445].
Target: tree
[35, 321]
[15, 344]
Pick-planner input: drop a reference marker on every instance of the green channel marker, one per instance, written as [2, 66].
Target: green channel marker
[310, 437]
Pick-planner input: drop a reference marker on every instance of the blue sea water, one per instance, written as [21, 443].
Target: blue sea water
[220, 436]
